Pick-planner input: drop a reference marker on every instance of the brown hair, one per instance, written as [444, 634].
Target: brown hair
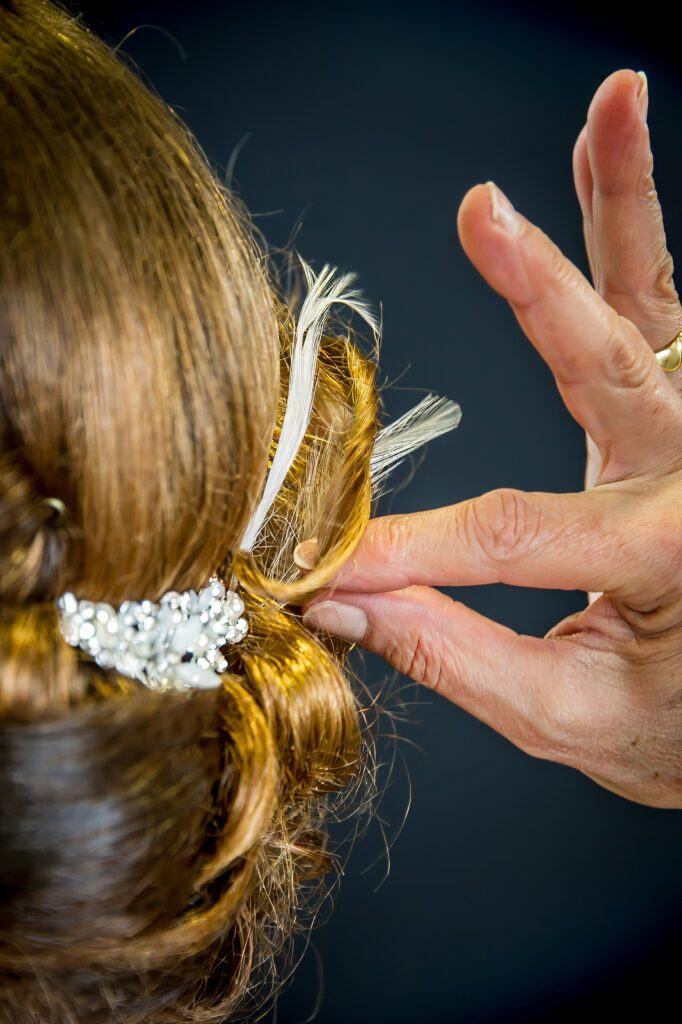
[156, 849]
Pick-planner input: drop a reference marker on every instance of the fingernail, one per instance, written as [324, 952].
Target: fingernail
[305, 553]
[643, 95]
[344, 620]
[502, 211]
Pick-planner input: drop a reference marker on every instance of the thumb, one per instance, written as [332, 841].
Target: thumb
[516, 684]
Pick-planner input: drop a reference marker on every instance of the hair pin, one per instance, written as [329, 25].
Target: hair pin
[175, 644]
[58, 510]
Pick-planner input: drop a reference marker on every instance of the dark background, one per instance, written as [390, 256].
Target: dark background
[518, 890]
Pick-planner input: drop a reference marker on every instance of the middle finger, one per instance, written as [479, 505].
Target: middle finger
[605, 370]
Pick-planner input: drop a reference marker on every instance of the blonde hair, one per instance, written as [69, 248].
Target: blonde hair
[156, 848]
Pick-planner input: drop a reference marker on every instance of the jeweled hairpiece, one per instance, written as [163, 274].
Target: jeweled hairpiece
[174, 644]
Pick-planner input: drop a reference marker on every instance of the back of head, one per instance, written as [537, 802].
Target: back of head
[154, 847]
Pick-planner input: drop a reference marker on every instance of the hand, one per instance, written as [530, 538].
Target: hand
[602, 691]
[621, 221]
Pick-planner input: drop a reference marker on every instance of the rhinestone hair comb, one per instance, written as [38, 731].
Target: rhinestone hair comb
[174, 644]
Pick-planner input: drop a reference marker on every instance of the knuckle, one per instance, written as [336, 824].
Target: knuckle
[663, 287]
[417, 656]
[656, 285]
[556, 272]
[646, 186]
[389, 537]
[661, 269]
[561, 271]
[628, 360]
[551, 272]
[503, 523]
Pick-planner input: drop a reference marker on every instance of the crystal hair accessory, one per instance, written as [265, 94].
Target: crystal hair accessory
[175, 644]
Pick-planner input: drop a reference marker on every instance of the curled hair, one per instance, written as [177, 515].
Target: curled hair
[156, 849]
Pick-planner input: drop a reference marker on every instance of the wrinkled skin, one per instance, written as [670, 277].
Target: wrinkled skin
[602, 691]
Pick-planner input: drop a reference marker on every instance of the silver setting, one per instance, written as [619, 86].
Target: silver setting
[174, 644]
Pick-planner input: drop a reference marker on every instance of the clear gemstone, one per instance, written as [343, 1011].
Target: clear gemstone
[193, 675]
[128, 664]
[103, 613]
[68, 603]
[186, 635]
[220, 629]
[235, 606]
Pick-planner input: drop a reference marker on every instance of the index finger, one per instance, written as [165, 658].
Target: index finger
[597, 541]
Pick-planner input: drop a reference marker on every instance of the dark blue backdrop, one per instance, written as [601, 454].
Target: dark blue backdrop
[518, 890]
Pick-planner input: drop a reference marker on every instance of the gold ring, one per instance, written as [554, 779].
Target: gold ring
[670, 357]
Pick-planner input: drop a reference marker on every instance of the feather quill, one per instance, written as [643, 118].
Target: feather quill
[324, 290]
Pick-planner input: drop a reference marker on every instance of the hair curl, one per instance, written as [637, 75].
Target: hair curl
[156, 850]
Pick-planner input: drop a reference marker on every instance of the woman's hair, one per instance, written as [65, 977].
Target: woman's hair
[156, 849]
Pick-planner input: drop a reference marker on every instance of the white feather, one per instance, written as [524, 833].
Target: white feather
[323, 292]
[430, 418]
